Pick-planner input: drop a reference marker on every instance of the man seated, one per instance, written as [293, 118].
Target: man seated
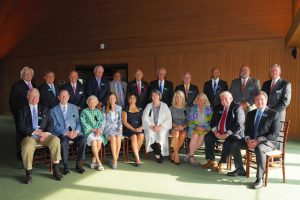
[35, 126]
[227, 124]
[67, 127]
[262, 130]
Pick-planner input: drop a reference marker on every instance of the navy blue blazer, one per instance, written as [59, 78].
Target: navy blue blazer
[24, 120]
[168, 92]
[193, 92]
[47, 98]
[78, 98]
[101, 93]
[214, 99]
[143, 98]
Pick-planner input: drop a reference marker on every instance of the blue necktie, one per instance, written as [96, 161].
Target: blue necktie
[215, 87]
[121, 100]
[53, 89]
[99, 83]
[34, 118]
[161, 87]
[256, 123]
[65, 114]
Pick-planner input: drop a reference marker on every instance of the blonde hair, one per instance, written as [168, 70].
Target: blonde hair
[92, 97]
[178, 93]
[108, 106]
[200, 96]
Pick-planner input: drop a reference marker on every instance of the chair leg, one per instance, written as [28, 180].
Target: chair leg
[248, 158]
[283, 168]
[127, 149]
[267, 171]
[123, 151]
[51, 166]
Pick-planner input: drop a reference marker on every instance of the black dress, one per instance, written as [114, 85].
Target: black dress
[134, 119]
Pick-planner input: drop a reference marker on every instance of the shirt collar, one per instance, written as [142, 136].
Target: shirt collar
[276, 80]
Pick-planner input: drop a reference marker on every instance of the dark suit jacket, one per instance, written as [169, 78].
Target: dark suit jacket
[78, 98]
[280, 97]
[193, 92]
[268, 129]
[168, 92]
[24, 120]
[92, 88]
[214, 100]
[47, 98]
[18, 96]
[252, 88]
[234, 122]
[143, 99]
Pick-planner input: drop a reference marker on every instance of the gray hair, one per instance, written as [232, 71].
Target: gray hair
[32, 90]
[275, 65]
[23, 71]
[226, 93]
[92, 97]
[156, 91]
[261, 93]
[97, 67]
[199, 96]
[161, 68]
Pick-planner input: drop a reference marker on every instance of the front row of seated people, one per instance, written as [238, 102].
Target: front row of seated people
[55, 128]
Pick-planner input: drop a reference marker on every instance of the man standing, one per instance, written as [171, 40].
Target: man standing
[190, 91]
[261, 132]
[18, 99]
[98, 86]
[49, 91]
[244, 89]
[279, 93]
[140, 89]
[227, 124]
[214, 87]
[35, 127]
[67, 127]
[164, 86]
[119, 87]
[76, 91]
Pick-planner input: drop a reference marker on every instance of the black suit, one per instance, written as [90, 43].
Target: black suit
[92, 88]
[192, 94]
[78, 98]
[143, 98]
[17, 99]
[167, 95]
[214, 99]
[268, 131]
[234, 127]
[24, 121]
[47, 97]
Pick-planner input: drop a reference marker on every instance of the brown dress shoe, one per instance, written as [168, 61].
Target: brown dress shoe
[219, 168]
[210, 164]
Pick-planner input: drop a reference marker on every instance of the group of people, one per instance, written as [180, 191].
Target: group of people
[101, 111]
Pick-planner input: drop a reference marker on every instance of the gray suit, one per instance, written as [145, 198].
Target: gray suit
[124, 89]
[251, 89]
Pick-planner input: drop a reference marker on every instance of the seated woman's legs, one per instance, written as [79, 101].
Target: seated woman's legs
[135, 147]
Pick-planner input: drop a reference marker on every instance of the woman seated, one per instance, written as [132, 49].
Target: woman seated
[179, 124]
[199, 118]
[132, 121]
[157, 122]
[113, 127]
[92, 123]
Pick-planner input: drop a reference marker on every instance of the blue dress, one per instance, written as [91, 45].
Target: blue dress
[134, 119]
[113, 125]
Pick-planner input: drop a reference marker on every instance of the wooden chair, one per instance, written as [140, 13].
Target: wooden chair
[251, 161]
[42, 155]
[128, 150]
[105, 150]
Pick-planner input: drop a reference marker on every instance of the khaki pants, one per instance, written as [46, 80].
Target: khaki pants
[28, 148]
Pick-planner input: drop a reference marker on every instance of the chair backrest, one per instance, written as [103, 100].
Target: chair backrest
[285, 125]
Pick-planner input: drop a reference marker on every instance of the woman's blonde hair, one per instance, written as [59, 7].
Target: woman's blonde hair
[178, 93]
[200, 96]
[108, 106]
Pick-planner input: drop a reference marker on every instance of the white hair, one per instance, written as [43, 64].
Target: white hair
[226, 93]
[23, 71]
[97, 67]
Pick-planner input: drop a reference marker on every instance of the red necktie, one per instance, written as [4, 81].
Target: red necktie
[222, 122]
[74, 88]
[139, 88]
[272, 86]
[244, 86]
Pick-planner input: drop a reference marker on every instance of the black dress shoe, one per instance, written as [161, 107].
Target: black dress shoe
[57, 176]
[66, 171]
[28, 179]
[237, 172]
[80, 169]
[160, 159]
[258, 183]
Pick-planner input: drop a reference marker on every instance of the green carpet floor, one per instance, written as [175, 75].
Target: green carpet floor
[150, 181]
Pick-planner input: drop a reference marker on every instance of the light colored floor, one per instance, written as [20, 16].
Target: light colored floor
[150, 181]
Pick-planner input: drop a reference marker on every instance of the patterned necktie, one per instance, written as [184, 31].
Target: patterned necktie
[215, 87]
[29, 85]
[244, 85]
[120, 94]
[256, 123]
[74, 88]
[139, 88]
[34, 118]
[186, 91]
[222, 122]
[272, 86]
[161, 87]
[53, 89]
[65, 114]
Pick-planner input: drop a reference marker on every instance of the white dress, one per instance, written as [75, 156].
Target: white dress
[164, 119]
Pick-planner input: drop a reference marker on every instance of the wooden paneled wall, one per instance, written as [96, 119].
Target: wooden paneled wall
[198, 59]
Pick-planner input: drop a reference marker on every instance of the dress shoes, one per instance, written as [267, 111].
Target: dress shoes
[159, 158]
[210, 164]
[66, 170]
[57, 175]
[237, 172]
[28, 179]
[219, 167]
[80, 169]
[258, 183]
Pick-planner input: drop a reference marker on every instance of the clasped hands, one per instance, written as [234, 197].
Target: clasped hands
[220, 136]
[98, 131]
[42, 135]
[156, 128]
[71, 134]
